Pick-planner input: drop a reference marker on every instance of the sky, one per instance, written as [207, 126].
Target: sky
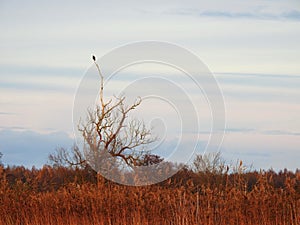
[251, 47]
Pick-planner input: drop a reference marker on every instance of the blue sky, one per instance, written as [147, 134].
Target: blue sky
[252, 48]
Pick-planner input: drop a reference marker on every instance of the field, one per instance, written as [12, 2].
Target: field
[80, 196]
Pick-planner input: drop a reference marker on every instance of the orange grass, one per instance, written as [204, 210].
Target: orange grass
[65, 196]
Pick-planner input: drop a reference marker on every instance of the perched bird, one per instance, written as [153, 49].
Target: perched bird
[94, 58]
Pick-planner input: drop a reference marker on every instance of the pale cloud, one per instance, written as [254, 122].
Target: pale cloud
[286, 15]
[7, 113]
[281, 133]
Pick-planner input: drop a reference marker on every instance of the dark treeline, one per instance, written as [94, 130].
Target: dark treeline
[53, 178]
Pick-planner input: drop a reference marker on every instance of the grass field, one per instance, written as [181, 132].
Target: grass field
[68, 196]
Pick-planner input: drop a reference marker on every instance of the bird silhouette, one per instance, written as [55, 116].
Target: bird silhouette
[94, 58]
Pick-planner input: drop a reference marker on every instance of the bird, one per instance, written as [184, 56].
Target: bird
[94, 58]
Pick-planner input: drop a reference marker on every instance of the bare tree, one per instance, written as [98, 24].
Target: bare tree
[210, 163]
[108, 131]
[68, 158]
[110, 135]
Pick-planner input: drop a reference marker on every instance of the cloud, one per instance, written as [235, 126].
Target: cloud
[227, 14]
[294, 15]
[287, 15]
[239, 130]
[30, 148]
[39, 71]
[39, 78]
[39, 87]
[259, 75]
[280, 132]
[264, 132]
[7, 113]
[260, 87]
[13, 128]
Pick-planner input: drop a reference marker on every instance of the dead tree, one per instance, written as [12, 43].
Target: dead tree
[108, 129]
[110, 136]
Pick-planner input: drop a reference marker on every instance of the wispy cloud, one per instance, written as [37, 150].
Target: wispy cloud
[260, 87]
[13, 128]
[39, 78]
[239, 130]
[291, 15]
[287, 15]
[280, 132]
[264, 132]
[39, 87]
[294, 15]
[7, 113]
[40, 71]
[259, 75]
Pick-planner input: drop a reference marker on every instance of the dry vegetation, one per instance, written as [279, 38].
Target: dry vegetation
[75, 196]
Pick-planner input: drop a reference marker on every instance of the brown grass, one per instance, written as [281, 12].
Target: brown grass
[64, 196]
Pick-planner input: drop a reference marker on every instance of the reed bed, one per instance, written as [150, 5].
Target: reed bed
[69, 197]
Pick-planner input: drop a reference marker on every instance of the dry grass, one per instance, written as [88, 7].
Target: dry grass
[62, 196]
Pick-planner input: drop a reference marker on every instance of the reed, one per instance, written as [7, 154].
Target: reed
[70, 197]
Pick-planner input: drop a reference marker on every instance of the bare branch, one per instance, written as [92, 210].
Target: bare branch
[62, 157]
